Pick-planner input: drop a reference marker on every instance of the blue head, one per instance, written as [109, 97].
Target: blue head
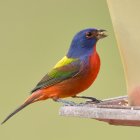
[84, 42]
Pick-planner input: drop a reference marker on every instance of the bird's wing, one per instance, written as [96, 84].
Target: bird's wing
[64, 69]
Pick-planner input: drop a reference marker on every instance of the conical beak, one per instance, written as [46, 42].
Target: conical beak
[101, 34]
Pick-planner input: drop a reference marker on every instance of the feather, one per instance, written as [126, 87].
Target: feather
[64, 69]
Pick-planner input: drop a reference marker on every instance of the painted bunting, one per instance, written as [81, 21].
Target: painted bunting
[73, 74]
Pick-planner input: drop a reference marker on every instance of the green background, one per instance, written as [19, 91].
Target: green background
[34, 35]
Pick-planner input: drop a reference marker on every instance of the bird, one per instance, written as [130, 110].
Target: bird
[73, 74]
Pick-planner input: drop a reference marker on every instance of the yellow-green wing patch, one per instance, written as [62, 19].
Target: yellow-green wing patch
[64, 61]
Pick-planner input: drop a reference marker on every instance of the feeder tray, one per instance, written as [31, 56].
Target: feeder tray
[114, 111]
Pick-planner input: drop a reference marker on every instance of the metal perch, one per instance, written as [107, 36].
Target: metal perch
[114, 111]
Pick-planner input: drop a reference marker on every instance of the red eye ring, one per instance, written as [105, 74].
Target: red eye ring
[89, 34]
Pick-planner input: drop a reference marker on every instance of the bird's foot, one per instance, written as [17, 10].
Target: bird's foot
[65, 102]
[91, 99]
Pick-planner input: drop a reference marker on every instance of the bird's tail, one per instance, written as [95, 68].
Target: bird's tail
[33, 98]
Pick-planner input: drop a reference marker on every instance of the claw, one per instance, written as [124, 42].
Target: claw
[92, 99]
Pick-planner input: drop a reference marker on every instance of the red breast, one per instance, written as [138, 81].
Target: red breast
[94, 67]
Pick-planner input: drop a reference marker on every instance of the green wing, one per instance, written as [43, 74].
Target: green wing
[64, 69]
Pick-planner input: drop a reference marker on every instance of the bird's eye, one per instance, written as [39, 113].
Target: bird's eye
[89, 34]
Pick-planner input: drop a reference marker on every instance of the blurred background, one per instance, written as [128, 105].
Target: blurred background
[34, 35]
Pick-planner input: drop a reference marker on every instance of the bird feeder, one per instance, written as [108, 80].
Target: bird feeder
[123, 110]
